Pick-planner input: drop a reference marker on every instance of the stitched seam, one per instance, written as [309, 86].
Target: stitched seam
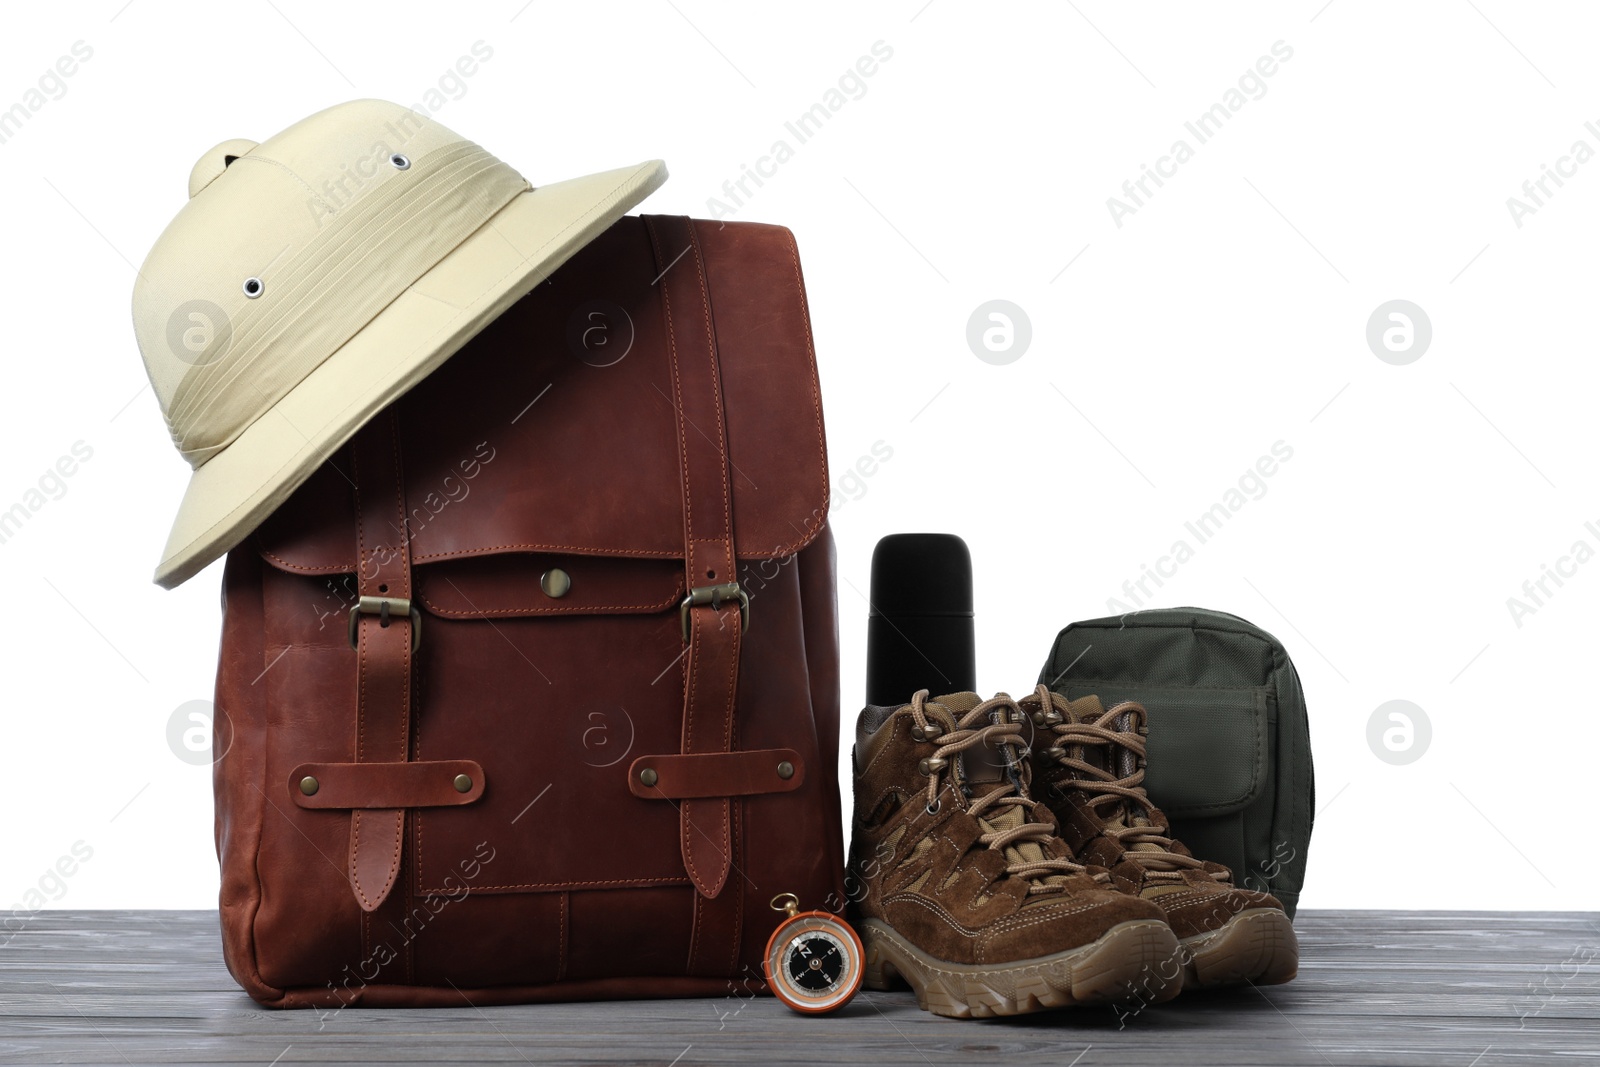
[694, 920]
[589, 550]
[738, 899]
[894, 725]
[399, 841]
[355, 852]
[361, 560]
[688, 522]
[811, 528]
[279, 561]
[686, 823]
[1017, 923]
[561, 961]
[725, 543]
[1022, 921]
[344, 567]
[257, 889]
[722, 434]
[665, 880]
[937, 909]
[575, 609]
[404, 581]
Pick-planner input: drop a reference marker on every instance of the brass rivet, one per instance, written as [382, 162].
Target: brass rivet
[463, 784]
[647, 776]
[555, 582]
[786, 770]
[309, 786]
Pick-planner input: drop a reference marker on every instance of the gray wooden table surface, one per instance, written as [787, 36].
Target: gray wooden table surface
[1471, 989]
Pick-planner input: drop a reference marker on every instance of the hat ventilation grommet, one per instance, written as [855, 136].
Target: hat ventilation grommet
[253, 287]
[399, 162]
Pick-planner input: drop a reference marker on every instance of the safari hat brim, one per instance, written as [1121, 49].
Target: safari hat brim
[521, 245]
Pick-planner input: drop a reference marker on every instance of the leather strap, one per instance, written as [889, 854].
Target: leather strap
[719, 774]
[383, 650]
[708, 826]
[437, 784]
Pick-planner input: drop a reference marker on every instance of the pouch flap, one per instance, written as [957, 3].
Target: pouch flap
[1207, 750]
[552, 433]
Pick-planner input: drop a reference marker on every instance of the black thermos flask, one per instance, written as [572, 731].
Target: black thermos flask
[919, 624]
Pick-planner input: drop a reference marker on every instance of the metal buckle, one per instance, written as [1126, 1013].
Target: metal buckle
[383, 607]
[714, 595]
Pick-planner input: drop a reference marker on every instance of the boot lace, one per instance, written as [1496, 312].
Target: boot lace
[1120, 804]
[998, 722]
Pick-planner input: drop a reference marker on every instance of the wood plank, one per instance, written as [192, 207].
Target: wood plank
[1375, 988]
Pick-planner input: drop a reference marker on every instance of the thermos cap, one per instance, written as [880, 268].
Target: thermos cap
[921, 574]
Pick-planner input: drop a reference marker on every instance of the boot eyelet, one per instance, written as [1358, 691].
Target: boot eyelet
[931, 766]
[925, 733]
[932, 809]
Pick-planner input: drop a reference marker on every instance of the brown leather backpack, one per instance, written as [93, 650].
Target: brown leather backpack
[531, 692]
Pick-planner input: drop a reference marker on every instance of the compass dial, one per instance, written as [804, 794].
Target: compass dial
[814, 962]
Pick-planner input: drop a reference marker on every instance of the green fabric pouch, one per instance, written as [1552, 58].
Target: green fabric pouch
[1229, 756]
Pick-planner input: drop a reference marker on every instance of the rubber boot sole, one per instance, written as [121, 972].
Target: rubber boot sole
[1256, 946]
[1139, 959]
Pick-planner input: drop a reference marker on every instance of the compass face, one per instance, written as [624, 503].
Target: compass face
[814, 963]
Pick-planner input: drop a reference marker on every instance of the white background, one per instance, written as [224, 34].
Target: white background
[1228, 313]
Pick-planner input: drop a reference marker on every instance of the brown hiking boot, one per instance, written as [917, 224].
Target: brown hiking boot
[960, 885]
[1090, 763]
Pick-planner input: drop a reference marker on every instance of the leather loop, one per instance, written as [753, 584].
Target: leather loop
[716, 774]
[386, 785]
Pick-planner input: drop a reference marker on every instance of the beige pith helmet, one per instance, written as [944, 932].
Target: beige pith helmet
[313, 278]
